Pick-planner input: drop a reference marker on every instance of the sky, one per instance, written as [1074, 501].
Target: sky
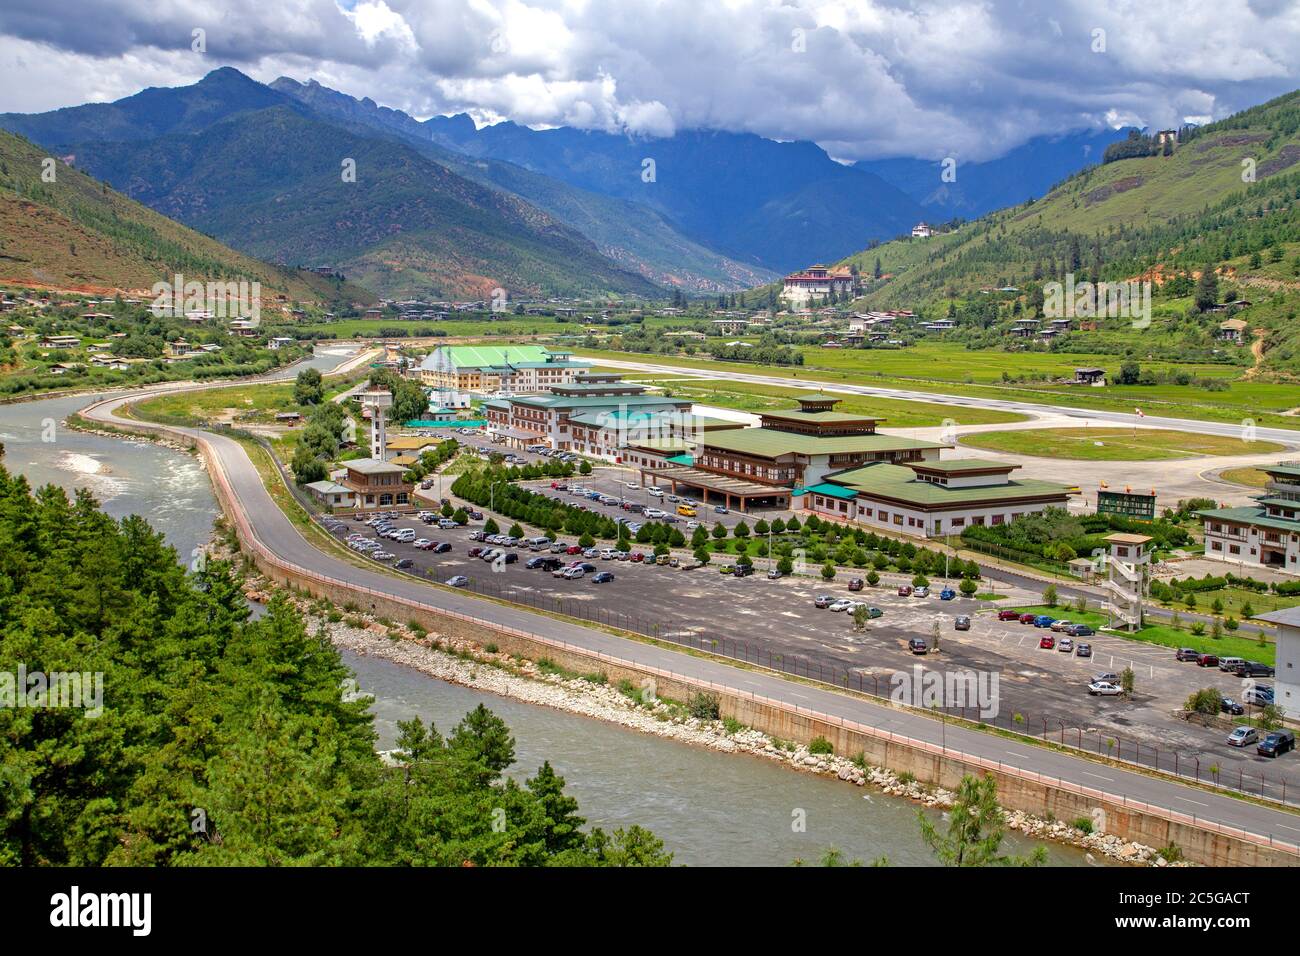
[866, 79]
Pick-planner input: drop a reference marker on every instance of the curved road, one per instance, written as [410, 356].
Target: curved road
[278, 539]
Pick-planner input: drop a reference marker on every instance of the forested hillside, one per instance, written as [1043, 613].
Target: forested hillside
[224, 741]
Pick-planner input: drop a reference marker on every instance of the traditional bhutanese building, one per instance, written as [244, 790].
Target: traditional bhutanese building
[1265, 534]
[814, 284]
[513, 369]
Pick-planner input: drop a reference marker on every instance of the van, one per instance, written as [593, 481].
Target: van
[404, 534]
[686, 511]
[1276, 743]
[655, 492]
[537, 544]
[1230, 663]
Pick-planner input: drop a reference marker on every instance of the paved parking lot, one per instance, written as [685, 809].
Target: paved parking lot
[778, 619]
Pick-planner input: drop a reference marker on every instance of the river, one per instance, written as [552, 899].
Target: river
[708, 808]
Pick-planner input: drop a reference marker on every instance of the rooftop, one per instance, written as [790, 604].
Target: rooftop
[899, 482]
[771, 443]
[373, 466]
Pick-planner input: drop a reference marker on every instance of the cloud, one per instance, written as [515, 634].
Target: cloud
[864, 78]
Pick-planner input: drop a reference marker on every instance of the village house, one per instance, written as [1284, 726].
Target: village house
[1232, 330]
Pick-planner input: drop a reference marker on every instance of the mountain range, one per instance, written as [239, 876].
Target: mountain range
[443, 208]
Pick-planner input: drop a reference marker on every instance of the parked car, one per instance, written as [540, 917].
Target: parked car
[917, 645]
[1276, 743]
[823, 600]
[424, 544]
[856, 584]
[1243, 736]
[773, 574]
[1229, 706]
[1065, 645]
[572, 572]
[1061, 625]
[1008, 615]
[603, 577]
[922, 591]
[947, 594]
[1187, 654]
[1104, 689]
[442, 547]
[403, 564]
[742, 571]
[1028, 618]
[1230, 664]
[961, 622]
[1047, 642]
[1253, 669]
[1082, 650]
[457, 581]
[1106, 678]
[1044, 620]
[843, 604]
[1080, 630]
[1207, 660]
[1261, 695]
[904, 590]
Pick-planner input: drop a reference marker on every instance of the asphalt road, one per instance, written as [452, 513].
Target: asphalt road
[273, 531]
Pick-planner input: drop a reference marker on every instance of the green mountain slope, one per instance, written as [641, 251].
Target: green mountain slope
[1164, 217]
[77, 233]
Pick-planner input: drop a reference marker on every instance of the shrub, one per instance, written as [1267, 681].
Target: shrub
[820, 745]
[1083, 825]
[703, 706]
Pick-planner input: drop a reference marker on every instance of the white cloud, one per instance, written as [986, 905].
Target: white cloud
[965, 78]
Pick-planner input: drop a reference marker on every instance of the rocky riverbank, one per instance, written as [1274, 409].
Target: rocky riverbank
[590, 695]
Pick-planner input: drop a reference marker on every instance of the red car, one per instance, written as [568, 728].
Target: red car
[1207, 660]
[637, 557]
[1028, 618]
[1047, 641]
[1008, 615]
[573, 549]
[904, 590]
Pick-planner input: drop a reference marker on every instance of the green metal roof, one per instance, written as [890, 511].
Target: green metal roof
[958, 465]
[492, 356]
[772, 443]
[832, 491]
[899, 482]
[1249, 514]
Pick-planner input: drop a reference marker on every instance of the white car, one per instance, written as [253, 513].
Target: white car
[631, 485]
[842, 604]
[692, 525]
[571, 573]
[1101, 688]
[655, 492]
[654, 513]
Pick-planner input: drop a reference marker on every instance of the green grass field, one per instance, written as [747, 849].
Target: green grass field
[371, 328]
[1114, 444]
[1247, 476]
[950, 369]
[896, 413]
